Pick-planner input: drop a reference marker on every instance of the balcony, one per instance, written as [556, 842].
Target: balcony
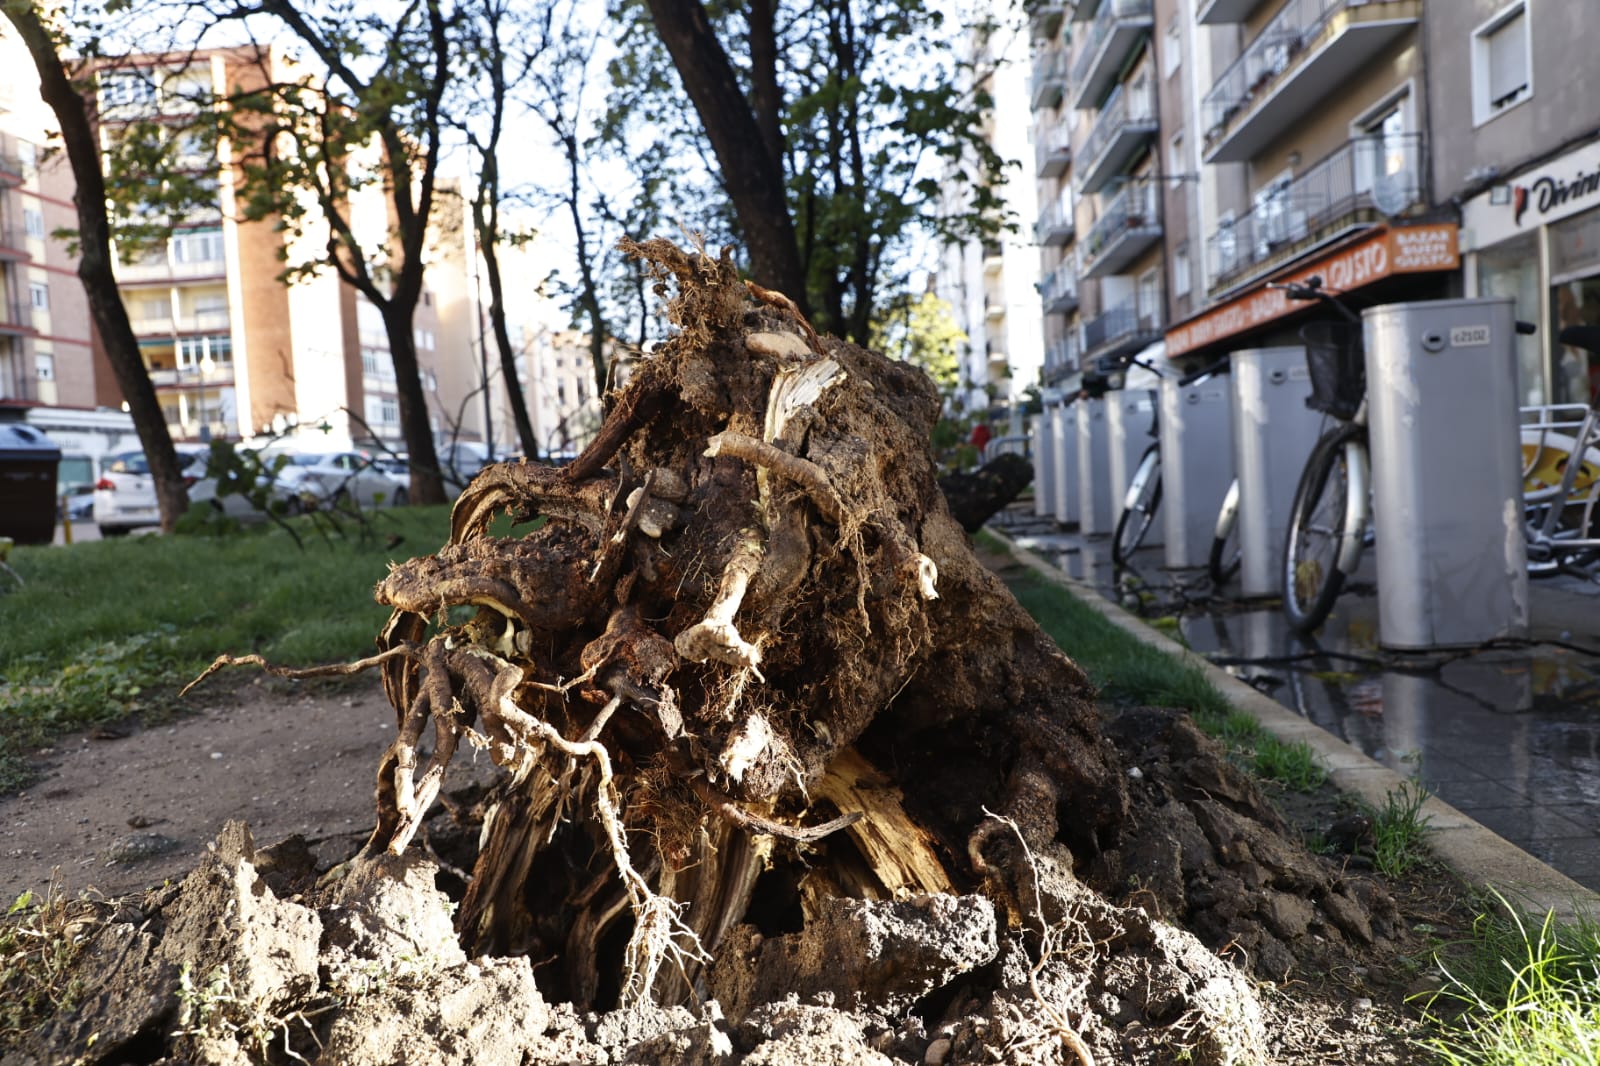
[1116, 30]
[17, 320]
[1127, 227]
[12, 172]
[1049, 78]
[1058, 290]
[221, 374]
[1046, 16]
[1226, 12]
[1123, 330]
[1053, 152]
[1361, 181]
[161, 270]
[1055, 226]
[166, 326]
[1062, 357]
[1084, 10]
[1126, 124]
[1302, 58]
[13, 245]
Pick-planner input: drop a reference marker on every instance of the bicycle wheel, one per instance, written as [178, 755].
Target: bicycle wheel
[1329, 510]
[1223, 564]
[1144, 496]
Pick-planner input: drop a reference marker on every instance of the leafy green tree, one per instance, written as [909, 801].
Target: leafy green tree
[922, 330]
[838, 130]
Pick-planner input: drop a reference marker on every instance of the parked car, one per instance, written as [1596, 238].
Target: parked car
[460, 461]
[334, 479]
[125, 495]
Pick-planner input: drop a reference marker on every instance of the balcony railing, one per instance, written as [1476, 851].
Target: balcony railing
[220, 374]
[1363, 178]
[1055, 225]
[1115, 31]
[1049, 78]
[162, 270]
[1128, 326]
[18, 318]
[1053, 151]
[1330, 39]
[1225, 12]
[1127, 121]
[1046, 16]
[1058, 290]
[1062, 357]
[1127, 226]
[199, 322]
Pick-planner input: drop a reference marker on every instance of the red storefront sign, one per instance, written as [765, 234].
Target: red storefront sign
[1402, 250]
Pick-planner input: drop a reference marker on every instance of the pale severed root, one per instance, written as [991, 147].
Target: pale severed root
[1048, 935]
[659, 934]
[803, 472]
[715, 637]
[222, 662]
[774, 298]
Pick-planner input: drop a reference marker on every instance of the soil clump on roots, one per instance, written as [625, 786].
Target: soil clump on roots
[786, 775]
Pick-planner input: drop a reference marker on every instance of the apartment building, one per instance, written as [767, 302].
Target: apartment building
[45, 345]
[1313, 153]
[992, 286]
[1516, 117]
[233, 351]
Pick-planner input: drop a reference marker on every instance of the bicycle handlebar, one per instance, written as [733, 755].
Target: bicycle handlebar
[1219, 366]
[1311, 289]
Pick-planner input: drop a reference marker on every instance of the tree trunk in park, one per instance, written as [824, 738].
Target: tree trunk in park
[82, 147]
[747, 142]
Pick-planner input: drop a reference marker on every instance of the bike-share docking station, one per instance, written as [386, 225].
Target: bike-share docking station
[1445, 439]
[1044, 479]
[1094, 470]
[1130, 416]
[1196, 465]
[1273, 433]
[1065, 442]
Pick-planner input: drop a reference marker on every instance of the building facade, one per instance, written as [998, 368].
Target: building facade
[1517, 146]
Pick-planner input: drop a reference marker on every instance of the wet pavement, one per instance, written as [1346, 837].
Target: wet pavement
[1509, 735]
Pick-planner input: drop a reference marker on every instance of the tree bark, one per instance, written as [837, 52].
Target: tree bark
[752, 174]
[110, 317]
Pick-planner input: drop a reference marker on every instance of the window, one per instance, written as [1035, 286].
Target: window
[1175, 162]
[44, 366]
[33, 221]
[198, 246]
[39, 295]
[154, 308]
[1502, 63]
[1273, 224]
[389, 408]
[425, 339]
[28, 155]
[1385, 156]
[1172, 48]
[193, 350]
[1149, 298]
[1180, 270]
[127, 90]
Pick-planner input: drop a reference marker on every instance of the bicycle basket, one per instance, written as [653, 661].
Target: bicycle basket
[1337, 366]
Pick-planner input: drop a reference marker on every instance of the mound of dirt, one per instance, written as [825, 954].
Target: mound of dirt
[783, 773]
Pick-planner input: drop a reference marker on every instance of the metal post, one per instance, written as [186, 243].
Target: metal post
[1066, 463]
[1446, 472]
[1043, 465]
[1196, 465]
[1273, 433]
[1094, 472]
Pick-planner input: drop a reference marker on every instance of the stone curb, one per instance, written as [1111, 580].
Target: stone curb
[1478, 856]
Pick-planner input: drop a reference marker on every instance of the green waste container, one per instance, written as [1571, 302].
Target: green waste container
[28, 461]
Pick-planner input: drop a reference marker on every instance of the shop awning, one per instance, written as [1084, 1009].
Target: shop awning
[1387, 251]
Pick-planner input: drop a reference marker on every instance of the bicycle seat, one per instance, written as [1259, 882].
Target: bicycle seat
[1585, 337]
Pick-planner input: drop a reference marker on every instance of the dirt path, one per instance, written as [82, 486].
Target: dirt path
[120, 814]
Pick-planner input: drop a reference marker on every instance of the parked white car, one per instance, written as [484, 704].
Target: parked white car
[125, 494]
[336, 479]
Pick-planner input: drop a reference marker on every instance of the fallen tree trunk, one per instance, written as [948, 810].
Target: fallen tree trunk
[976, 497]
[748, 599]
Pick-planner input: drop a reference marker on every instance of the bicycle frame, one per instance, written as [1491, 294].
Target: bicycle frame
[1553, 440]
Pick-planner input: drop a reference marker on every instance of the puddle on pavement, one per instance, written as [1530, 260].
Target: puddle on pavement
[1509, 736]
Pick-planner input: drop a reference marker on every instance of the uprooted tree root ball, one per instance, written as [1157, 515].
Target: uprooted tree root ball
[784, 769]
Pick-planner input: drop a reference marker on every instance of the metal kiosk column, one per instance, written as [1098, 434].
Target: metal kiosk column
[1094, 469]
[1044, 475]
[1196, 465]
[1445, 436]
[1066, 462]
[1273, 433]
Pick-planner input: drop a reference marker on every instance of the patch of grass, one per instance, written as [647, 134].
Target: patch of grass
[39, 940]
[103, 630]
[1522, 991]
[1293, 766]
[1398, 830]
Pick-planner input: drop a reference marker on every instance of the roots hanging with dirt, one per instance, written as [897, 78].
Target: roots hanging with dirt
[737, 653]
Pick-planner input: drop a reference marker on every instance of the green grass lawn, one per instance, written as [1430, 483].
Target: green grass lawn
[105, 629]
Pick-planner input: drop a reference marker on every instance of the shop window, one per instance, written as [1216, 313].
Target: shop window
[1502, 63]
[1512, 269]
